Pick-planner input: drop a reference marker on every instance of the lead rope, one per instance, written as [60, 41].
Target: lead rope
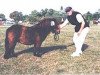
[56, 37]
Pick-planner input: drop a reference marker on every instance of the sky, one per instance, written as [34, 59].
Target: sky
[26, 6]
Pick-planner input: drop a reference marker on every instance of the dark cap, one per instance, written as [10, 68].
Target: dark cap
[67, 9]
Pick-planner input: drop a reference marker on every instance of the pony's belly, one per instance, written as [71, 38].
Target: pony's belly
[25, 37]
[25, 40]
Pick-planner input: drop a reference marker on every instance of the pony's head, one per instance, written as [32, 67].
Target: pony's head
[49, 25]
[55, 26]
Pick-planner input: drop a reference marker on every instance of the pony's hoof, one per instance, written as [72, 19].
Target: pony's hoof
[14, 55]
[6, 57]
[9, 56]
[37, 54]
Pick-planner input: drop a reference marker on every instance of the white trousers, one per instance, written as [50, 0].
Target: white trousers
[79, 40]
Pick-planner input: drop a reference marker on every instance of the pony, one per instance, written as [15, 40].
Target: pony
[29, 35]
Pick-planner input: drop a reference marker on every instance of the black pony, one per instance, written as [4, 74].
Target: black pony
[29, 35]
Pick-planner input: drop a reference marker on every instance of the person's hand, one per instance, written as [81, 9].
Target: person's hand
[60, 26]
[78, 33]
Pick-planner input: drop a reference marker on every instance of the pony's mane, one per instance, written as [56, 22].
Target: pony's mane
[44, 21]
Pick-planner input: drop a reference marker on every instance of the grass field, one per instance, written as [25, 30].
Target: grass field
[56, 59]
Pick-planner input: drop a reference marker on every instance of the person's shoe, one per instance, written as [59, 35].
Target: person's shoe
[76, 54]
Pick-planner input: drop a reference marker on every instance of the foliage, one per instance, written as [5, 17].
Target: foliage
[96, 15]
[17, 16]
[2, 16]
[91, 16]
[37, 15]
[50, 12]
[44, 12]
[25, 17]
[88, 16]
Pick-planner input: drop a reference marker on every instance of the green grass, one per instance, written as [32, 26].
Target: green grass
[58, 61]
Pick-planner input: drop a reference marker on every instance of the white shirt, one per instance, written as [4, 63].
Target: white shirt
[78, 17]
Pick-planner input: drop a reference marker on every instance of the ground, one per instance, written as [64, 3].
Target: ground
[56, 56]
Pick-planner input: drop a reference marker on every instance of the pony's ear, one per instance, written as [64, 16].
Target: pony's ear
[52, 23]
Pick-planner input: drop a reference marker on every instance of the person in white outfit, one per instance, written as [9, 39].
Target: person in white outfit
[81, 28]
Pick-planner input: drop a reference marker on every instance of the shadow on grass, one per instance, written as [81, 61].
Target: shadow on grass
[43, 50]
[84, 47]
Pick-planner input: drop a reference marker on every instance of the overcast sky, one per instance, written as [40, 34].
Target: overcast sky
[26, 6]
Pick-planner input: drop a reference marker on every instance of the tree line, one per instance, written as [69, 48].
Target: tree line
[37, 15]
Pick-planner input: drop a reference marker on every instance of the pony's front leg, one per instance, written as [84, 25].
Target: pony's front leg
[37, 51]
[37, 46]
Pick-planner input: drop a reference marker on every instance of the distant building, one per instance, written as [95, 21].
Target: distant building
[1, 22]
[9, 22]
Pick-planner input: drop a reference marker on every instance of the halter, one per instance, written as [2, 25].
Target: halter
[56, 37]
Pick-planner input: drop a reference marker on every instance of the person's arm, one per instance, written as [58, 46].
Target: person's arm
[64, 23]
[80, 20]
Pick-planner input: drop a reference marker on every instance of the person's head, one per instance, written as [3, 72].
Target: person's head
[68, 10]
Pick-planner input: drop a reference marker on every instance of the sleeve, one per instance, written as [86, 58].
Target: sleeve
[80, 18]
[64, 23]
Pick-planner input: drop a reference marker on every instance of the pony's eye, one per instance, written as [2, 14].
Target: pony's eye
[52, 23]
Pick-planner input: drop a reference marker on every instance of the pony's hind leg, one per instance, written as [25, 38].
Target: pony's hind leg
[9, 50]
[9, 47]
[7, 54]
